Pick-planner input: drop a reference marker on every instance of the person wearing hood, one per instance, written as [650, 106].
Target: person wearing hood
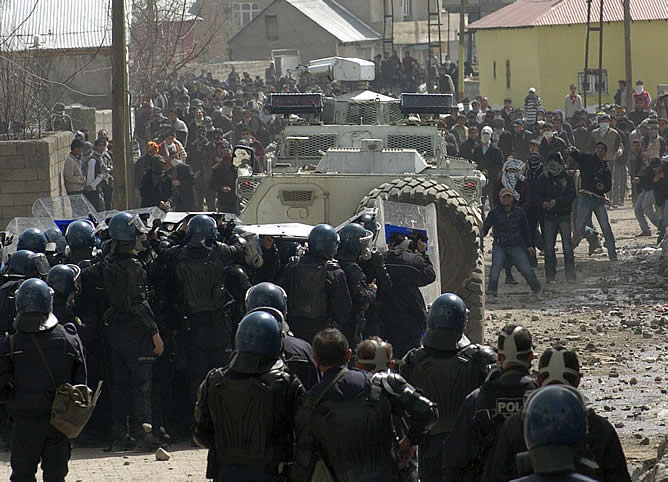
[489, 159]
[156, 182]
[445, 368]
[614, 147]
[556, 193]
[534, 168]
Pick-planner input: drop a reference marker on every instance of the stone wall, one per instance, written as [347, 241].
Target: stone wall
[30, 170]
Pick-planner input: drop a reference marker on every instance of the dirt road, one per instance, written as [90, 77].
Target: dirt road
[616, 317]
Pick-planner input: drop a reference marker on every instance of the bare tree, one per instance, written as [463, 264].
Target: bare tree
[164, 40]
[22, 110]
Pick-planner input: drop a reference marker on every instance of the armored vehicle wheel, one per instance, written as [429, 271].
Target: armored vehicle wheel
[462, 266]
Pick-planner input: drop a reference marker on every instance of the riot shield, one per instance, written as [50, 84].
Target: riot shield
[63, 207]
[412, 219]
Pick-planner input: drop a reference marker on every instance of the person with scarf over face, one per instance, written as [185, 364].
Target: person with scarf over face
[533, 209]
[224, 179]
[156, 183]
[512, 178]
[556, 193]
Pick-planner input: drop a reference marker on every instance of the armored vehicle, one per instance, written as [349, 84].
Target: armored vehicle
[338, 155]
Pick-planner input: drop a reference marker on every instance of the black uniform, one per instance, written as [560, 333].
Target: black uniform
[33, 438]
[404, 313]
[298, 356]
[362, 297]
[602, 446]
[200, 298]
[10, 285]
[446, 370]
[374, 269]
[129, 325]
[318, 296]
[246, 421]
[362, 404]
[482, 415]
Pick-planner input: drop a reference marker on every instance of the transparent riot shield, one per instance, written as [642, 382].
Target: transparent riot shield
[407, 218]
[63, 207]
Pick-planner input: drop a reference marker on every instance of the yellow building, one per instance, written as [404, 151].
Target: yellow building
[541, 44]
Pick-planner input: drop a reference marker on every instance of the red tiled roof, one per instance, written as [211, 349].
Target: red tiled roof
[535, 13]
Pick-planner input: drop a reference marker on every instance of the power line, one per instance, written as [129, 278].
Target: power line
[21, 24]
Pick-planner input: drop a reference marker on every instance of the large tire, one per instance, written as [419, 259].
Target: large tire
[462, 269]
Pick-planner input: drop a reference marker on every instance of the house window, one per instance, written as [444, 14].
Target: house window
[244, 12]
[407, 8]
[507, 74]
[271, 25]
[590, 85]
[494, 70]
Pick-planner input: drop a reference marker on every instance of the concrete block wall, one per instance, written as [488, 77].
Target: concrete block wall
[30, 170]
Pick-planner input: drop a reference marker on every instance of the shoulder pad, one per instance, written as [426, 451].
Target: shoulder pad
[393, 383]
[493, 374]
[332, 264]
[70, 328]
[487, 354]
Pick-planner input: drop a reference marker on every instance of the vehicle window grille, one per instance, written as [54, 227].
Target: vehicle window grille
[312, 147]
[361, 113]
[421, 144]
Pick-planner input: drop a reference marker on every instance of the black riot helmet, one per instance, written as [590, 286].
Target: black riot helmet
[56, 240]
[448, 311]
[267, 295]
[80, 234]
[63, 279]
[202, 226]
[323, 241]
[28, 264]
[369, 222]
[555, 428]
[18, 262]
[355, 240]
[34, 305]
[32, 239]
[258, 343]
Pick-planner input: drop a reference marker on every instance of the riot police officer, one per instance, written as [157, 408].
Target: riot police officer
[356, 402]
[132, 334]
[55, 246]
[80, 236]
[297, 353]
[198, 270]
[561, 366]
[32, 239]
[40, 357]
[403, 309]
[446, 368]
[318, 293]
[254, 395]
[481, 416]
[354, 247]
[374, 270]
[64, 281]
[555, 430]
[22, 265]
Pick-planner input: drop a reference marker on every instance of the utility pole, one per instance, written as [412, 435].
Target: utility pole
[627, 55]
[462, 48]
[120, 109]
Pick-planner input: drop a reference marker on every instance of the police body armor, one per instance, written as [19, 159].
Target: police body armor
[8, 305]
[502, 401]
[124, 282]
[307, 288]
[447, 378]
[200, 278]
[367, 455]
[251, 431]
